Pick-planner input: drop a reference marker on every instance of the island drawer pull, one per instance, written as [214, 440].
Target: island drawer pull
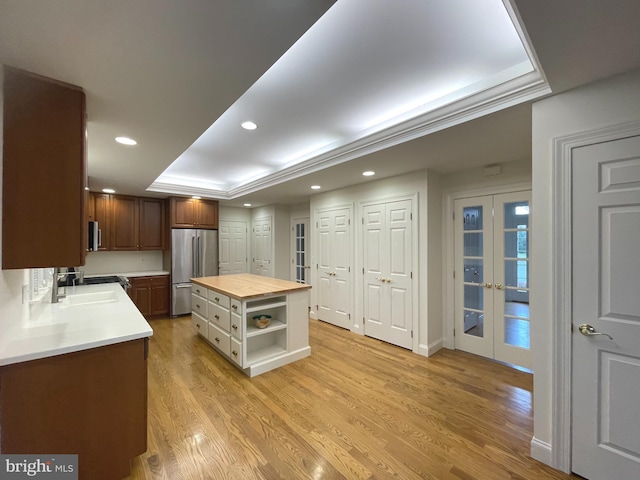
[217, 299]
[198, 306]
[235, 307]
[235, 354]
[217, 339]
[235, 327]
[217, 317]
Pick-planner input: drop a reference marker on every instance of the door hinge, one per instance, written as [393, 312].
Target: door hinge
[317, 309]
[454, 332]
[411, 274]
[363, 220]
[362, 320]
[363, 270]
[349, 269]
[349, 316]
[454, 274]
[411, 333]
[349, 222]
[454, 215]
[411, 216]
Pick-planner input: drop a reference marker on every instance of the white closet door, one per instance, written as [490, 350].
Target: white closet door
[233, 247]
[387, 260]
[334, 266]
[262, 261]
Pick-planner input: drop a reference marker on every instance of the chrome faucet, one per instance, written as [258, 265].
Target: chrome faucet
[57, 274]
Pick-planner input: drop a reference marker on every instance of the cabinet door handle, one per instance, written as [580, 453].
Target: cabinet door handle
[235, 354]
[217, 339]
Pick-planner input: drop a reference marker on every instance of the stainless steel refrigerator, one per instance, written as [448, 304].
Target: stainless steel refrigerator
[194, 253]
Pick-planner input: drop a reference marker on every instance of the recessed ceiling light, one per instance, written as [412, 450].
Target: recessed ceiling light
[196, 197]
[315, 187]
[249, 125]
[126, 141]
[368, 173]
[247, 204]
[108, 190]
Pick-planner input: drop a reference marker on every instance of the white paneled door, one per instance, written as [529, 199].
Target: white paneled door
[492, 245]
[387, 262]
[233, 246]
[606, 310]
[333, 229]
[262, 261]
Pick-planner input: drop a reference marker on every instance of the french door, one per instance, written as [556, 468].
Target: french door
[300, 246]
[492, 245]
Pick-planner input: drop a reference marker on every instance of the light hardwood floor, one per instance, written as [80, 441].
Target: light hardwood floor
[357, 408]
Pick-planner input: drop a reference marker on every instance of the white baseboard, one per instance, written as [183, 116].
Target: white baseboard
[542, 451]
[428, 350]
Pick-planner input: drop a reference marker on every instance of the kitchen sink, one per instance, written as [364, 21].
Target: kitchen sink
[89, 298]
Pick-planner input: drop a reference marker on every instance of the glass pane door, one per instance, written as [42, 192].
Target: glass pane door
[513, 331]
[474, 245]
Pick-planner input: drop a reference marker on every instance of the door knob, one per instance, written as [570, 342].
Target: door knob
[499, 286]
[487, 285]
[589, 331]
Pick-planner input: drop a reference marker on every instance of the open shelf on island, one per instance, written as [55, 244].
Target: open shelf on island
[271, 302]
[265, 353]
[252, 330]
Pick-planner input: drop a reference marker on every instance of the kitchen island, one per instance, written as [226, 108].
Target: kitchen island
[223, 311]
[73, 380]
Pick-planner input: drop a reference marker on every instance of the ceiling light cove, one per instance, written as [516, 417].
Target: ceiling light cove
[126, 141]
[341, 93]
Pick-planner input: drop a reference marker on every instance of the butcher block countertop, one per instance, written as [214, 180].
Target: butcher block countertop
[246, 285]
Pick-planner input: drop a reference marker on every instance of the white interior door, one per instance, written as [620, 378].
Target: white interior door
[334, 266]
[261, 263]
[387, 261]
[492, 245]
[233, 246]
[606, 295]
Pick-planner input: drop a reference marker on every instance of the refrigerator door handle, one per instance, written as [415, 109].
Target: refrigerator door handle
[183, 285]
[199, 247]
[194, 258]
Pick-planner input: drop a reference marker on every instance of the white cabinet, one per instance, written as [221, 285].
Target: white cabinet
[231, 328]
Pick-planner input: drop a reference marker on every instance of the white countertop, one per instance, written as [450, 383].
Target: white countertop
[47, 329]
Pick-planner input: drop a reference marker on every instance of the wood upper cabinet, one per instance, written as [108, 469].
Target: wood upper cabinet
[153, 224]
[150, 294]
[193, 213]
[125, 218]
[136, 223]
[44, 172]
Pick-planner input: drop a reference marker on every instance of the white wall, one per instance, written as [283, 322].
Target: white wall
[598, 105]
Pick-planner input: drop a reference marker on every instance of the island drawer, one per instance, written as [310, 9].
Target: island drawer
[219, 316]
[198, 290]
[219, 339]
[236, 352]
[199, 305]
[219, 299]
